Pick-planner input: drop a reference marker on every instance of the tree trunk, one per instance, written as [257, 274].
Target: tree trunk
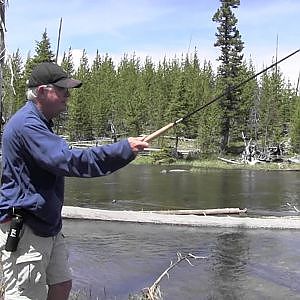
[225, 134]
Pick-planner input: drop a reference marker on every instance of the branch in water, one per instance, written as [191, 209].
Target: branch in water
[154, 293]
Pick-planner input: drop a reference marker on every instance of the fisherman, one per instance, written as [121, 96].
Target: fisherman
[35, 161]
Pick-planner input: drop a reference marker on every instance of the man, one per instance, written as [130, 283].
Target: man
[35, 161]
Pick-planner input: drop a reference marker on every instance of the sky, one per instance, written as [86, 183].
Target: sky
[156, 28]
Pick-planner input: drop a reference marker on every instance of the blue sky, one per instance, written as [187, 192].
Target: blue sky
[156, 28]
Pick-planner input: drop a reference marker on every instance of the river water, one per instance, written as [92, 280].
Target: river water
[110, 260]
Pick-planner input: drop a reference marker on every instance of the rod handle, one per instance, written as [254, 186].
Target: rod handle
[158, 132]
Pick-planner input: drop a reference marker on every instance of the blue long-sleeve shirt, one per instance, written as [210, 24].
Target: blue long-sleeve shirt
[35, 162]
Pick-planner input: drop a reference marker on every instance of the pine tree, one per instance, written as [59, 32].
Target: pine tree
[150, 95]
[176, 107]
[80, 109]
[275, 108]
[61, 120]
[229, 39]
[103, 98]
[208, 119]
[67, 63]
[130, 105]
[164, 84]
[43, 53]
[246, 121]
[295, 126]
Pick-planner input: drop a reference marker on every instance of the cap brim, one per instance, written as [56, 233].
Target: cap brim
[68, 83]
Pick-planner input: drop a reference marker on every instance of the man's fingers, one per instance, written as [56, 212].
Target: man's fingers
[137, 144]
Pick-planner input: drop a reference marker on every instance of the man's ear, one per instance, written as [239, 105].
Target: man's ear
[41, 90]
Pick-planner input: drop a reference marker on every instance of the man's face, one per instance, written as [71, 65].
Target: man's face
[53, 100]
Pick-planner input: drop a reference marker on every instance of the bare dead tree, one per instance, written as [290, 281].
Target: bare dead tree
[2, 55]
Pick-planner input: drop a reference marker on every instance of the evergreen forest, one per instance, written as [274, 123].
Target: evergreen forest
[137, 97]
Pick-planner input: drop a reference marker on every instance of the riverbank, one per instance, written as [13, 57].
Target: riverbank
[214, 163]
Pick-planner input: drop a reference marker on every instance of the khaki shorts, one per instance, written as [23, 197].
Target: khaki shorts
[37, 263]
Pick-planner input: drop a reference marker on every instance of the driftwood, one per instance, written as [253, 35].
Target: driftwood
[253, 154]
[230, 161]
[71, 212]
[202, 212]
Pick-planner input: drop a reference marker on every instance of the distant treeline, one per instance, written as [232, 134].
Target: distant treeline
[137, 97]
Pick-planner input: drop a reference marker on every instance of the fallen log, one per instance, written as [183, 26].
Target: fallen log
[202, 212]
[70, 212]
[230, 161]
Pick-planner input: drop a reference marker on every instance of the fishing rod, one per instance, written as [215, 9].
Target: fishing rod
[233, 88]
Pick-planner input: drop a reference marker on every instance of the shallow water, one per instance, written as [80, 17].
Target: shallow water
[113, 259]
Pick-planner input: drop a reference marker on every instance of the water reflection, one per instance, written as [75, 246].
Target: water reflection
[229, 261]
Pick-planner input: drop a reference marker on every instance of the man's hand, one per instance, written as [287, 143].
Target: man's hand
[137, 144]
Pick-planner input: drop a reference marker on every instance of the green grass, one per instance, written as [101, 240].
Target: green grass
[215, 163]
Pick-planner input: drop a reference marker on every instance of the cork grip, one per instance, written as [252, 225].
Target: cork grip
[158, 132]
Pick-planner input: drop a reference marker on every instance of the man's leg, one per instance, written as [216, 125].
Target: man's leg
[24, 271]
[59, 291]
[59, 277]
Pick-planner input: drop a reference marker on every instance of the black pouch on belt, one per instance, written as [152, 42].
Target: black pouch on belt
[14, 233]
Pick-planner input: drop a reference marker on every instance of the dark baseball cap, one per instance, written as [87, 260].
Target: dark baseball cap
[51, 73]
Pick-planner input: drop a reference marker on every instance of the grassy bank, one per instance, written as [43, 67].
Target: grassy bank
[214, 163]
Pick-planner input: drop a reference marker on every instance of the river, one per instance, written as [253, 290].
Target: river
[110, 260]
